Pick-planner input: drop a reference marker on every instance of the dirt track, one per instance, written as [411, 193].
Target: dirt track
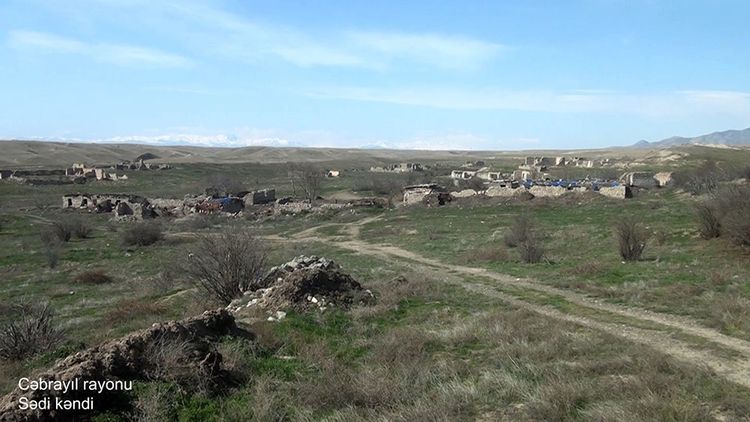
[679, 337]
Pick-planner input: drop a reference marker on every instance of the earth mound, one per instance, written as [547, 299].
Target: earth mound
[305, 284]
[172, 351]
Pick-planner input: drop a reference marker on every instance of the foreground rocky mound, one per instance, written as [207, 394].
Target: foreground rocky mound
[304, 284]
[177, 351]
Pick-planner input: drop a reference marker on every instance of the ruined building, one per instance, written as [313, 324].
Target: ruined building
[398, 168]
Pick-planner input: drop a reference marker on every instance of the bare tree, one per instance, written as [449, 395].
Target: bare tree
[309, 178]
[225, 266]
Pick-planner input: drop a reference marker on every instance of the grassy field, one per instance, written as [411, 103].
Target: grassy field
[431, 348]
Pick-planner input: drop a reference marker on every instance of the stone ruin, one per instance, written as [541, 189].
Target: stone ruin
[398, 168]
[304, 284]
[426, 194]
[123, 206]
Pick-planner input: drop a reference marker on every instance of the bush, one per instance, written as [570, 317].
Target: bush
[51, 246]
[93, 277]
[79, 227]
[61, 230]
[726, 214]
[632, 238]
[733, 207]
[519, 232]
[524, 236]
[531, 250]
[30, 332]
[225, 266]
[143, 234]
[708, 220]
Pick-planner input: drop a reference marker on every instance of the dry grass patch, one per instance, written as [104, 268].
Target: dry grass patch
[93, 277]
[129, 309]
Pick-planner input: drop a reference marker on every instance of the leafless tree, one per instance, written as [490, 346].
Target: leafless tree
[226, 265]
[309, 178]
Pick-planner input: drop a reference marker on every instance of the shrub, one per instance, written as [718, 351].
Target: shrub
[143, 234]
[79, 227]
[227, 265]
[708, 220]
[519, 232]
[726, 214]
[733, 204]
[61, 230]
[631, 238]
[93, 277]
[531, 250]
[51, 246]
[31, 331]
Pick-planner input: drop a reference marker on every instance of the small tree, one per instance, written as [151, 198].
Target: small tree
[227, 265]
[31, 331]
[632, 238]
[309, 178]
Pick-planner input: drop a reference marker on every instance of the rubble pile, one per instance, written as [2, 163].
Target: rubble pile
[304, 284]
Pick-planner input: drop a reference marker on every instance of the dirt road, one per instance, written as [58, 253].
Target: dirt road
[679, 337]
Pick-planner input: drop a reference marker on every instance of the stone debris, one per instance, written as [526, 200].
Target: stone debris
[304, 284]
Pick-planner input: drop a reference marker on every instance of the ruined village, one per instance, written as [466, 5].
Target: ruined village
[148, 257]
[390, 211]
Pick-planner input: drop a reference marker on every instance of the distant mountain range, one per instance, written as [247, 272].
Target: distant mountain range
[727, 137]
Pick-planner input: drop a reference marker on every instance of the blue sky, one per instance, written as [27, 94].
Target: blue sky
[417, 74]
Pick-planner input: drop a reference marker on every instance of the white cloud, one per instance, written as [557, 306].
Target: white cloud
[435, 49]
[112, 53]
[216, 31]
[678, 103]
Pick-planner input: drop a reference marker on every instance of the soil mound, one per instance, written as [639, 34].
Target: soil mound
[305, 284]
[172, 351]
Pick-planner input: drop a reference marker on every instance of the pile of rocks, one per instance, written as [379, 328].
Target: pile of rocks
[304, 284]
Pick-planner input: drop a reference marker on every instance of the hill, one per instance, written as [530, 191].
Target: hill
[727, 137]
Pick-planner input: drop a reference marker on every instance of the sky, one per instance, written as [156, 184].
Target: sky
[481, 75]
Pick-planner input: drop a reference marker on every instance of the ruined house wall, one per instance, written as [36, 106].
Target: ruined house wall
[265, 196]
[617, 192]
[502, 191]
[417, 195]
[663, 178]
[465, 193]
[547, 191]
